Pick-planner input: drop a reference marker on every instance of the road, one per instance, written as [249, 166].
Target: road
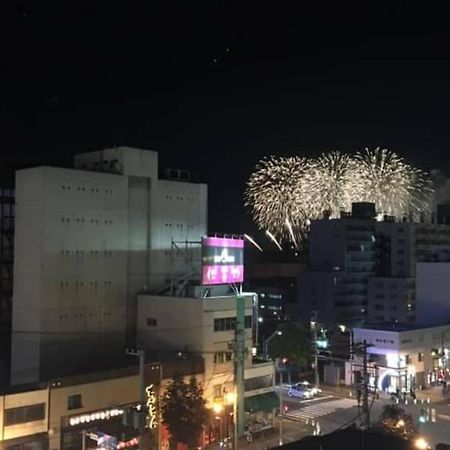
[335, 409]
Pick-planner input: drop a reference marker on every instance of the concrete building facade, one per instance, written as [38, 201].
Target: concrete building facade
[367, 270]
[403, 357]
[87, 241]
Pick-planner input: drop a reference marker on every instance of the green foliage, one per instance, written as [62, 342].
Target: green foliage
[294, 344]
[184, 410]
[395, 420]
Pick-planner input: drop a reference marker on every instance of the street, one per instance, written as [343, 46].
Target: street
[335, 408]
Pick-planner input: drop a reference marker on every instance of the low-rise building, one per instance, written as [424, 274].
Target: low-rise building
[401, 356]
[206, 326]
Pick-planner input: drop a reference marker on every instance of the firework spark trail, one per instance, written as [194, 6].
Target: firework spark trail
[291, 232]
[250, 239]
[272, 237]
[285, 193]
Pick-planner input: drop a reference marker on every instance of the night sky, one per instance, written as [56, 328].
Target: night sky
[213, 86]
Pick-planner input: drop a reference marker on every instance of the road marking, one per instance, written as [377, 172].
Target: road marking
[319, 409]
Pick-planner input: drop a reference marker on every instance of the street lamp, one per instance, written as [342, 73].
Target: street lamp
[266, 342]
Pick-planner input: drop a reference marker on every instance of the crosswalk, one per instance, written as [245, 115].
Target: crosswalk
[311, 411]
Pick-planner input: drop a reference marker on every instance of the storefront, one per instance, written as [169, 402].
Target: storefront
[92, 425]
[261, 410]
[34, 442]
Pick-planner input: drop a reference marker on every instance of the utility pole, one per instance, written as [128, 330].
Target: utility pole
[142, 433]
[316, 356]
[239, 356]
[366, 411]
[280, 437]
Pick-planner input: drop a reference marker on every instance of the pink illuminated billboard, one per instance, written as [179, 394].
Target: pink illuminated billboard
[222, 260]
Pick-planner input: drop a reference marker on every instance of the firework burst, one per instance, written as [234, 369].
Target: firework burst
[276, 192]
[331, 184]
[285, 193]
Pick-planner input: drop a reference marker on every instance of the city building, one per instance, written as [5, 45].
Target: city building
[364, 270]
[88, 240]
[402, 356]
[6, 279]
[206, 326]
[341, 258]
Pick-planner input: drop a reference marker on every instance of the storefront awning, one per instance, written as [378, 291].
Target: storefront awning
[262, 402]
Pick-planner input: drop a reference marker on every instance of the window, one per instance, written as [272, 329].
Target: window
[229, 323]
[379, 307]
[420, 357]
[74, 401]
[24, 414]
[407, 359]
[223, 357]
[151, 322]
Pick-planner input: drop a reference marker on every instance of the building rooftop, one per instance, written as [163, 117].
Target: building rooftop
[398, 327]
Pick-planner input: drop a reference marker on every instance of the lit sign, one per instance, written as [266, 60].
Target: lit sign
[151, 407]
[222, 260]
[99, 415]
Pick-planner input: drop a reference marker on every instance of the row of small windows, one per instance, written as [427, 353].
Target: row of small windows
[229, 323]
[80, 315]
[80, 253]
[67, 187]
[78, 284]
[82, 221]
[179, 197]
[179, 225]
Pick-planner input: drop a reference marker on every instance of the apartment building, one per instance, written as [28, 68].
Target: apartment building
[367, 270]
[88, 240]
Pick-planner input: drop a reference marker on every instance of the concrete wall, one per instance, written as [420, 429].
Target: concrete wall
[433, 292]
[69, 268]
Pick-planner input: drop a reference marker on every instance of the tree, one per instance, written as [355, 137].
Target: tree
[395, 420]
[184, 411]
[294, 344]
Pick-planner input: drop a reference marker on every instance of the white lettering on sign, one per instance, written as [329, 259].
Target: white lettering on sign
[151, 407]
[224, 257]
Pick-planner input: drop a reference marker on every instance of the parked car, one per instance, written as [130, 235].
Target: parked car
[300, 391]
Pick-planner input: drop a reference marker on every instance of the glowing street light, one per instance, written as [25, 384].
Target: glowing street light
[217, 408]
[421, 444]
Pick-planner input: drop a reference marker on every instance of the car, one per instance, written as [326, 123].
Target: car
[299, 391]
[307, 385]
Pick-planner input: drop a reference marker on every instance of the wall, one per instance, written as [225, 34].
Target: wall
[433, 292]
[19, 400]
[70, 269]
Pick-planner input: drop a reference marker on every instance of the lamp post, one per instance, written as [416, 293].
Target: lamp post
[266, 342]
[316, 356]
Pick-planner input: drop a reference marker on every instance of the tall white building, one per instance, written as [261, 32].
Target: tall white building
[89, 240]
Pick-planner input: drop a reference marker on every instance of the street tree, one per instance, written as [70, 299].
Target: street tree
[184, 411]
[395, 420]
[294, 344]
